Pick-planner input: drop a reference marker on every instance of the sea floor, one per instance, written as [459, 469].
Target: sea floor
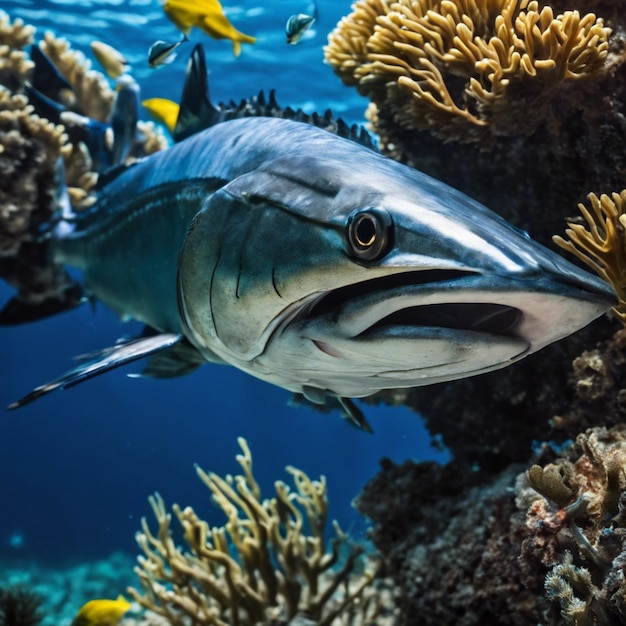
[66, 589]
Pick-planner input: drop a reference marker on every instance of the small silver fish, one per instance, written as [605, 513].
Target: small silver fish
[298, 24]
[164, 52]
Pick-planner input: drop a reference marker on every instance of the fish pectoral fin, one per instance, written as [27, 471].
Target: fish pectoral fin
[103, 361]
[181, 359]
[354, 415]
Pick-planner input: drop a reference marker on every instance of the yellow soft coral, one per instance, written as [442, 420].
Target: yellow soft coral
[602, 243]
[267, 565]
[465, 68]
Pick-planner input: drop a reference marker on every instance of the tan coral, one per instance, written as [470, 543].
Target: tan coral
[583, 541]
[14, 62]
[15, 34]
[268, 564]
[463, 68]
[29, 150]
[152, 139]
[93, 95]
[601, 243]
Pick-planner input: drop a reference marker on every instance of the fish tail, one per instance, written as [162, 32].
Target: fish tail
[43, 287]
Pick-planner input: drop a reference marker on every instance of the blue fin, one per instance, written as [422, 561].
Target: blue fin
[104, 361]
[45, 77]
[43, 105]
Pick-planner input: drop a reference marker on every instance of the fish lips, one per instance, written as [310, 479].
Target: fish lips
[429, 326]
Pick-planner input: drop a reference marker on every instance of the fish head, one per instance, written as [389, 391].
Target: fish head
[348, 276]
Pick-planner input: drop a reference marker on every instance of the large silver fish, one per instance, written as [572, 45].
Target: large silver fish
[316, 264]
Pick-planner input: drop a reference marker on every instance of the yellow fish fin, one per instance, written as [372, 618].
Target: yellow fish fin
[209, 17]
[218, 27]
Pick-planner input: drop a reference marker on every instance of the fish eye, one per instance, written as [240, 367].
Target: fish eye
[370, 233]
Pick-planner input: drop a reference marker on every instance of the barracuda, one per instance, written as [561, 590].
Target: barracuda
[316, 264]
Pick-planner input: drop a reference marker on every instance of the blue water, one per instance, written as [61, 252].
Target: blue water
[76, 468]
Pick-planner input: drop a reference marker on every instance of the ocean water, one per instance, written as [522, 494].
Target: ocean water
[76, 467]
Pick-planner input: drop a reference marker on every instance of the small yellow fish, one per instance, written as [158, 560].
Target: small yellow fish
[112, 60]
[163, 110]
[101, 612]
[208, 16]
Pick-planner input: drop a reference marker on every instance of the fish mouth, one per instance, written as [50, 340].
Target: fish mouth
[391, 292]
[419, 327]
[480, 317]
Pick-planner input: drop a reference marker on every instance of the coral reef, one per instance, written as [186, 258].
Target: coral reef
[602, 244]
[261, 567]
[465, 69]
[583, 536]
[31, 147]
[14, 62]
[19, 606]
[37, 156]
[540, 546]
[451, 543]
[91, 93]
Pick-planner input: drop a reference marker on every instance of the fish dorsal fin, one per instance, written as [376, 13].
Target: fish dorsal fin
[44, 106]
[103, 361]
[45, 76]
[197, 112]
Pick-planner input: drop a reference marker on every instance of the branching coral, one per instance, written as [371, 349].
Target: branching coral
[14, 62]
[260, 567]
[579, 530]
[462, 68]
[30, 149]
[564, 582]
[91, 94]
[602, 243]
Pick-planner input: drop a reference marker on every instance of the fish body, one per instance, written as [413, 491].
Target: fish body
[307, 259]
[297, 25]
[321, 266]
[209, 17]
[112, 60]
[101, 612]
[164, 52]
